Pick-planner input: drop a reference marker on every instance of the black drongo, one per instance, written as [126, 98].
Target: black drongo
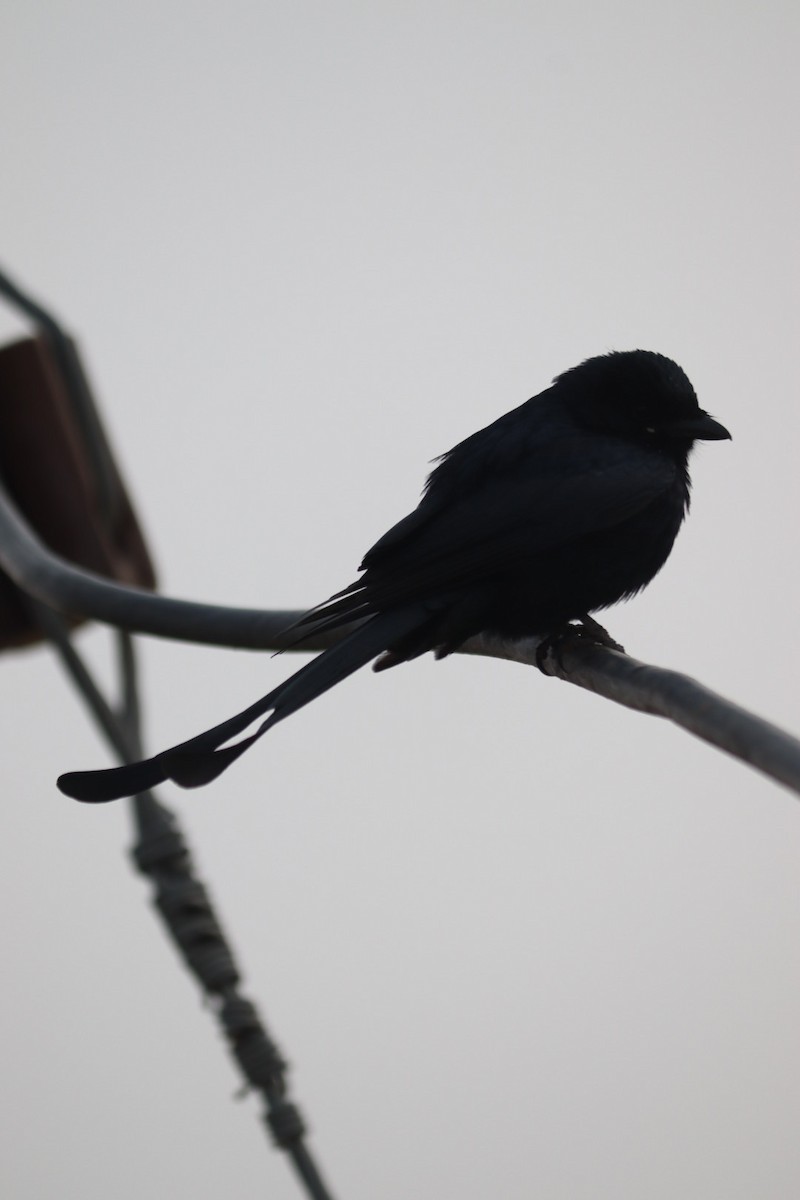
[560, 508]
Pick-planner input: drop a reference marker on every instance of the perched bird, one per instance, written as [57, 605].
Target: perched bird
[561, 507]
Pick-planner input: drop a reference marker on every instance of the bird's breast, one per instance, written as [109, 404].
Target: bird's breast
[588, 573]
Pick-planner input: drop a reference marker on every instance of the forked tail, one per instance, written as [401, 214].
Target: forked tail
[203, 758]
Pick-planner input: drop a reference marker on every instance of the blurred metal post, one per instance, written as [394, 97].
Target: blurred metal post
[161, 851]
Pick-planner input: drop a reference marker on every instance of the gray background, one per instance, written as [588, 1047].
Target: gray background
[516, 941]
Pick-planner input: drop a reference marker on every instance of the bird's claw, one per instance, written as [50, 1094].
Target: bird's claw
[589, 628]
[586, 629]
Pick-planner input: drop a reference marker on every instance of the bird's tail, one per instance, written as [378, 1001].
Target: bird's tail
[204, 757]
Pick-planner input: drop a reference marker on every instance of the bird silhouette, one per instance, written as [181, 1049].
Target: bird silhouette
[558, 509]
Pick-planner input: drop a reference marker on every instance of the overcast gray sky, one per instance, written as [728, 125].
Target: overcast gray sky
[515, 941]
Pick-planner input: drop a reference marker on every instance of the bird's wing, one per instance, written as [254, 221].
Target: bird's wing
[510, 519]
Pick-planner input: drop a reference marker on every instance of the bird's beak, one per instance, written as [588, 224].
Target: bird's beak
[703, 428]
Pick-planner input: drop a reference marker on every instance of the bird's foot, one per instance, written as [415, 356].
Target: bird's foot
[596, 632]
[585, 629]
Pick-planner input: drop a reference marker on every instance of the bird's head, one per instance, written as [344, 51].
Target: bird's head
[640, 395]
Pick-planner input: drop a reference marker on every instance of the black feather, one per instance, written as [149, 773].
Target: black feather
[561, 507]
